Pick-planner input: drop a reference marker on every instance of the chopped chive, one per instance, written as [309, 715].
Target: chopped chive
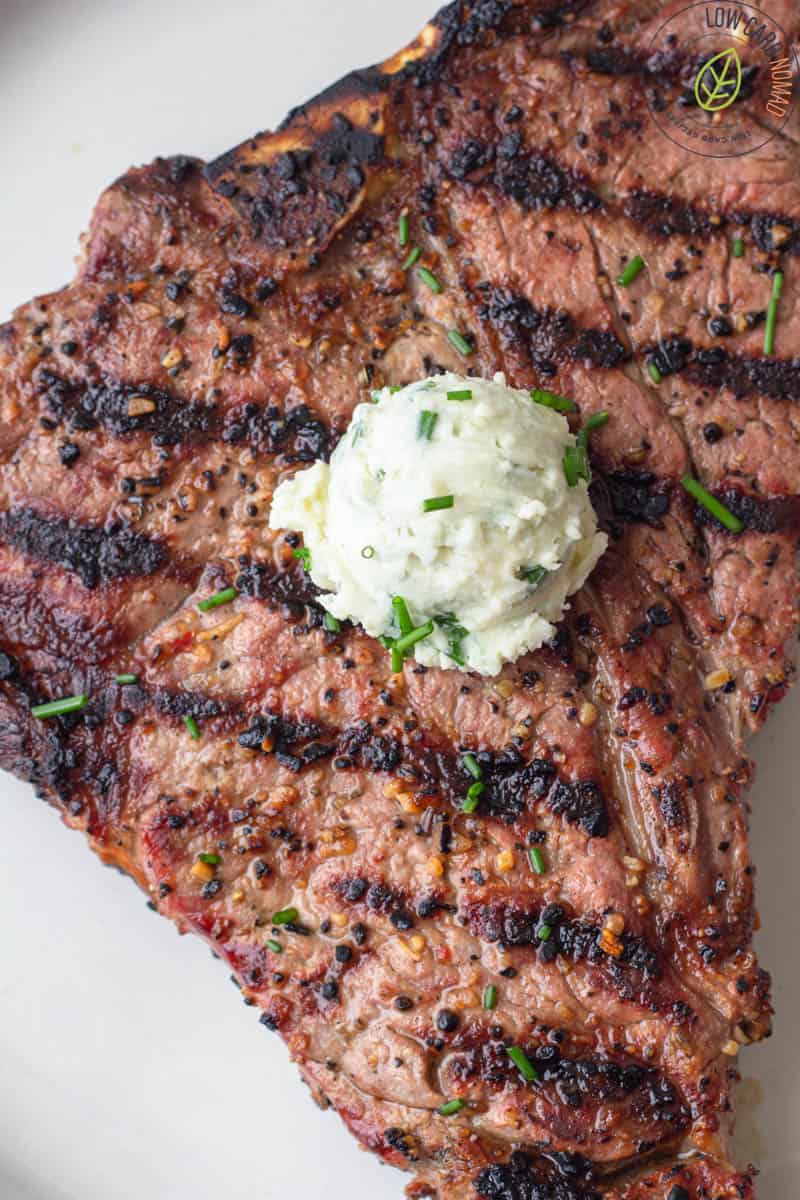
[462, 344]
[376, 397]
[572, 466]
[654, 372]
[193, 727]
[57, 708]
[331, 624]
[536, 859]
[595, 422]
[522, 1063]
[532, 575]
[213, 860]
[544, 933]
[426, 425]
[304, 555]
[474, 794]
[397, 660]
[126, 678]
[437, 503]
[631, 271]
[472, 765]
[464, 394]
[285, 917]
[404, 229]
[274, 946]
[451, 1108]
[220, 598]
[551, 400]
[368, 552]
[394, 390]
[414, 257]
[410, 639]
[403, 616]
[490, 997]
[430, 280]
[772, 312]
[712, 504]
[737, 249]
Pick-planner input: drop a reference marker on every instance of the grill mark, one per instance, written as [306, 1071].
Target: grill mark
[717, 368]
[97, 555]
[290, 590]
[760, 514]
[298, 434]
[630, 497]
[572, 937]
[556, 1176]
[550, 338]
[645, 1095]
[533, 179]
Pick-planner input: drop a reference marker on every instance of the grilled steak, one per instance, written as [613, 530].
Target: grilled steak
[595, 914]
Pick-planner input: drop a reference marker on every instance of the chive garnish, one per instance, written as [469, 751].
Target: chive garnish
[404, 229]
[426, 425]
[285, 917]
[331, 624]
[462, 344]
[437, 503]
[57, 708]
[212, 860]
[595, 422]
[472, 765]
[523, 1063]
[404, 621]
[712, 504]
[455, 635]
[772, 312]
[536, 859]
[737, 249]
[464, 394]
[474, 794]
[414, 257]
[490, 997]
[451, 1108]
[126, 678]
[368, 552]
[220, 598]
[631, 271]
[551, 400]
[397, 660]
[193, 727]
[654, 372]
[304, 555]
[410, 639]
[274, 946]
[533, 575]
[544, 932]
[430, 280]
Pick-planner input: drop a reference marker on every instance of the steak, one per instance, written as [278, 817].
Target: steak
[268, 781]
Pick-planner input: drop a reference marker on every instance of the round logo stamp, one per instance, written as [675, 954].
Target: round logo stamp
[738, 79]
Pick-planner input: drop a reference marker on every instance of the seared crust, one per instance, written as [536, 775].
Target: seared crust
[224, 322]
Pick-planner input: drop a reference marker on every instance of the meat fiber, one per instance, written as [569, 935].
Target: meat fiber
[269, 782]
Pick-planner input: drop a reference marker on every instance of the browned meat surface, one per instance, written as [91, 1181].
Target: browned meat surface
[224, 322]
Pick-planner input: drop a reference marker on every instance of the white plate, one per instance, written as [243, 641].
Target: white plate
[129, 1069]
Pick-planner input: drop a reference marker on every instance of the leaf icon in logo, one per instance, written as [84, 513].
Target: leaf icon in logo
[719, 81]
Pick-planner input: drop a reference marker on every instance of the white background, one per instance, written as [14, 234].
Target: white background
[129, 1068]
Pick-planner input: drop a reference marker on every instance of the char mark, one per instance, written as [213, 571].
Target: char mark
[575, 939]
[719, 369]
[630, 497]
[97, 555]
[290, 591]
[295, 743]
[299, 197]
[125, 410]
[550, 338]
[530, 178]
[557, 1176]
[646, 1097]
[761, 514]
